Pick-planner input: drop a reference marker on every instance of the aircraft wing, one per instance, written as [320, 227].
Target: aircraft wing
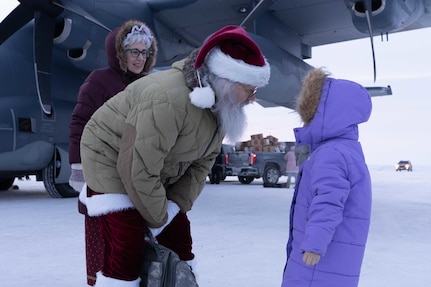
[305, 23]
[326, 22]
[286, 31]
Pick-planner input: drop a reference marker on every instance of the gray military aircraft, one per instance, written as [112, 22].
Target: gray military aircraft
[47, 48]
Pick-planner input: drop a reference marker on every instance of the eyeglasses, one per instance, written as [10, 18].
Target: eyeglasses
[251, 92]
[135, 53]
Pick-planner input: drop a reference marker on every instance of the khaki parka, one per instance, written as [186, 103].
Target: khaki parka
[151, 143]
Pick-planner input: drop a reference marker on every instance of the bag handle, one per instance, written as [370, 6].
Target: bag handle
[150, 236]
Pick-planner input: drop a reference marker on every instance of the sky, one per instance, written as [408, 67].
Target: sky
[239, 234]
[397, 128]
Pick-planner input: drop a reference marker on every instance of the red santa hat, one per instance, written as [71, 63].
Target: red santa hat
[230, 53]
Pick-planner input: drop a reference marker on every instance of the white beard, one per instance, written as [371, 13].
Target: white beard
[232, 120]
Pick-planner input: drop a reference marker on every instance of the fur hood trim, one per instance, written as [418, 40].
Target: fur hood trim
[202, 95]
[309, 97]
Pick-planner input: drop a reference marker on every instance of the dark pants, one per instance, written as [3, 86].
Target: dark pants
[215, 174]
[124, 235]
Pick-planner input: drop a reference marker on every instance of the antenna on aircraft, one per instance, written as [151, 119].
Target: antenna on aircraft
[368, 13]
[260, 8]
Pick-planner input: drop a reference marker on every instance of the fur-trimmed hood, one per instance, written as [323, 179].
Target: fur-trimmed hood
[309, 96]
[190, 72]
[202, 94]
[330, 108]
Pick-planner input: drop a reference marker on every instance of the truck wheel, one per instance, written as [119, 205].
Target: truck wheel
[245, 179]
[271, 175]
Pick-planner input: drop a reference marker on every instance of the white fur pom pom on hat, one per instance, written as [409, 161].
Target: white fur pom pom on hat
[202, 97]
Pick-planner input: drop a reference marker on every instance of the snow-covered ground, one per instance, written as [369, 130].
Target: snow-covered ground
[239, 232]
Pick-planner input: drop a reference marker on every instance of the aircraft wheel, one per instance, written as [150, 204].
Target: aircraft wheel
[61, 190]
[6, 183]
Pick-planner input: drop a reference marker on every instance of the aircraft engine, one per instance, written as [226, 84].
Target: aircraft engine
[386, 15]
[77, 40]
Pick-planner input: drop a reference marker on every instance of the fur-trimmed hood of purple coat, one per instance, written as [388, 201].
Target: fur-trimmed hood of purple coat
[330, 108]
[331, 206]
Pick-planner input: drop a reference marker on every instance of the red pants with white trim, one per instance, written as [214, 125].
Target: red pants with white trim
[94, 245]
[124, 236]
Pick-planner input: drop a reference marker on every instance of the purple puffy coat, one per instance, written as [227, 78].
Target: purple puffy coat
[331, 206]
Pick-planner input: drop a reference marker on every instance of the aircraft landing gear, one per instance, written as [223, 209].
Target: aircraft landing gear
[50, 175]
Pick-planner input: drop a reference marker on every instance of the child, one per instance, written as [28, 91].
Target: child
[291, 165]
[331, 206]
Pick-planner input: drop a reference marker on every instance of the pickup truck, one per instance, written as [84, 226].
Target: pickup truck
[250, 165]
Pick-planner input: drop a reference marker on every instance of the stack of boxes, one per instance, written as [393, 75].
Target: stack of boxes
[259, 143]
